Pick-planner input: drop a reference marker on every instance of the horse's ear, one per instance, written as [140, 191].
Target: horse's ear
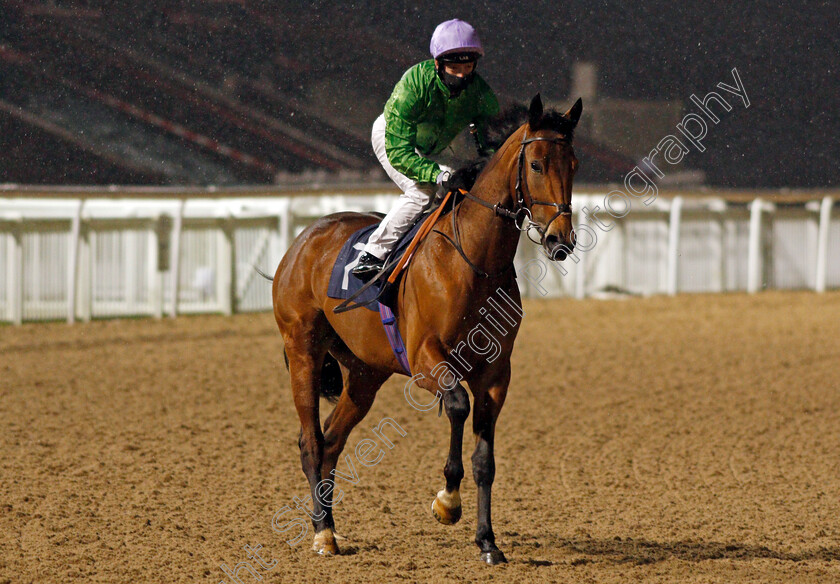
[535, 112]
[574, 112]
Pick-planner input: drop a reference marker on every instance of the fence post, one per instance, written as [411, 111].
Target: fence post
[755, 264]
[14, 272]
[674, 244]
[720, 267]
[73, 262]
[284, 223]
[84, 276]
[175, 263]
[153, 269]
[130, 255]
[226, 275]
[822, 243]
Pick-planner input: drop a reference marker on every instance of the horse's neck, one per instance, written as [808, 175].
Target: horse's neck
[488, 239]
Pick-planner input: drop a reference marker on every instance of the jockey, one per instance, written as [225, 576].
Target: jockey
[432, 104]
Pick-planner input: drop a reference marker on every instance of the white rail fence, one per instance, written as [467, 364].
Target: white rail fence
[99, 258]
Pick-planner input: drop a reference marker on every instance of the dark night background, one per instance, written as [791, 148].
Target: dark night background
[339, 59]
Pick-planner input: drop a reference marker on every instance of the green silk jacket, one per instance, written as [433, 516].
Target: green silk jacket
[421, 116]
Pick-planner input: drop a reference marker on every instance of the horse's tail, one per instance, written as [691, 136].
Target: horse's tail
[270, 279]
[331, 381]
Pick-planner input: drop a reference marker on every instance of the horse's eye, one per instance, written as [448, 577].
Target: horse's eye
[535, 166]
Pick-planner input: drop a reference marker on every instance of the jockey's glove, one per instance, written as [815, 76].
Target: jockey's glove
[442, 180]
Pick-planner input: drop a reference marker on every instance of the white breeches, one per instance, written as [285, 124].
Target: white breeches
[415, 197]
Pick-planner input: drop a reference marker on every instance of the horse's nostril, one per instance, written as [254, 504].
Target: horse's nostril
[555, 248]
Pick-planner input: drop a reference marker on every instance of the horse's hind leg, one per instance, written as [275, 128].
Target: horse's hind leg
[360, 386]
[306, 349]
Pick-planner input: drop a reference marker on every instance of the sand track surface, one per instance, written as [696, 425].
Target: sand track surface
[686, 439]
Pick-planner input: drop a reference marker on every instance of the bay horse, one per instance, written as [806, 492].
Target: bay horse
[527, 184]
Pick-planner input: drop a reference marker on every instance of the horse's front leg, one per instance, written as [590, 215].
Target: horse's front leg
[446, 506]
[489, 399]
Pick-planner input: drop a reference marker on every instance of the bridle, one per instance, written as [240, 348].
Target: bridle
[521, 212]
[524, 209]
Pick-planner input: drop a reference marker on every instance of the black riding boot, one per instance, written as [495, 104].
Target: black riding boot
[369, 265]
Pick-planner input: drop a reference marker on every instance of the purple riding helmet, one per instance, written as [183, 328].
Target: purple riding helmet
[455, 41]
[455, 36]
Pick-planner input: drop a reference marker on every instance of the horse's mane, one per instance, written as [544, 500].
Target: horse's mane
[500, 128]
[505, 123]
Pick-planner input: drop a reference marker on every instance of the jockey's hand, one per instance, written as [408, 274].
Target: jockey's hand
[442, 182]
[464, 178]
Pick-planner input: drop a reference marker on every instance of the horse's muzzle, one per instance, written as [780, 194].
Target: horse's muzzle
[557, 248]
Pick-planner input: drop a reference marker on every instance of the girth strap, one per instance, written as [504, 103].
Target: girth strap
[392, 331]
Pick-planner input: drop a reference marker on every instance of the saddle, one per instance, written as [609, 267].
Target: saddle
[380, 290]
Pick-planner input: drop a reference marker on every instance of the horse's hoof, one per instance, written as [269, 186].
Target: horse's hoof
[324, 543]
[493, 557]
[446, 507]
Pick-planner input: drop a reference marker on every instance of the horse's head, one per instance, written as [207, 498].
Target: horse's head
[545, 169]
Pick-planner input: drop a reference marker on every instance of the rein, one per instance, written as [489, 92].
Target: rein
[520, 214]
